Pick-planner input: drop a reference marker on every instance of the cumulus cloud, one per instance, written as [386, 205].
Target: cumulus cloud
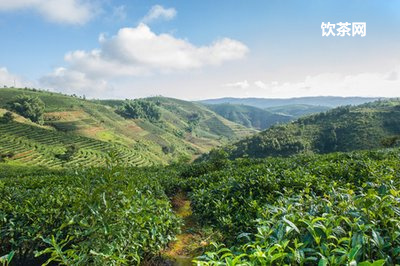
[8, 79]
[158, 12]
[61, 11]
[376, 84]
[139, 51]
[71, 81]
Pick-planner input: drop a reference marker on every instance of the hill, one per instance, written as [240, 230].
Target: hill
[91, 129]
[297, 110]
[329, 101]
[347, 128]
[249, 116]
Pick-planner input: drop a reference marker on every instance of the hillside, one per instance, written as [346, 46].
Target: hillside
[249, 116]
[297, 110]
[365, 126]
[329, 101]
[94, 129]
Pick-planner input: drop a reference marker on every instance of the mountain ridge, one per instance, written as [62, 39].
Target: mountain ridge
[330, 101]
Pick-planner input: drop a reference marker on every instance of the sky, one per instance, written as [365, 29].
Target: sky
[201, 49]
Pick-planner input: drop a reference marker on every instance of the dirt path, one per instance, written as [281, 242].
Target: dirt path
[183, 250]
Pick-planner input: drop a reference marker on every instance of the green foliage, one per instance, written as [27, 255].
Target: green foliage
[136, 109]
[29, 106]
[298, 110]
[140, 142]
[109, 216]
[6, 259]
[391, 142]
[33, 145]
[249, 116]
[334, 209]
[67, 155]
[346, 128]
[7, 117]
[4, 156]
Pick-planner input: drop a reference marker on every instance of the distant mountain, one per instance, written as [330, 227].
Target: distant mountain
[367, 126]
[249, 116]
[329, 101]
[298, 110]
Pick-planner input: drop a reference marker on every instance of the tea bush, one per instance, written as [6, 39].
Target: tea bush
[329, 210]
[106, 216]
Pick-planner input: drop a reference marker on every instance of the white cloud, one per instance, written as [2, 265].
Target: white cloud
[260, 84]
[61, 11]
[159, 12]
[71, 81]
[374, 84]
[240, 84]
[137, 52]
[8, 79]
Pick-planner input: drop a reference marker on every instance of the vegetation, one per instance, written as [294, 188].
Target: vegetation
[328, 101]
[73, 197]
[67, 155]
[249, 116]
[140, 109]
[32, 145]
[329, 210]
[166, 140]
[29, 107]
[298, 110]
[347, 128]
[308, 209]
[7, 117]
[108, 216]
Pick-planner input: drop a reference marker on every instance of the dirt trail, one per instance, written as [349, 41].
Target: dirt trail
[183, 250]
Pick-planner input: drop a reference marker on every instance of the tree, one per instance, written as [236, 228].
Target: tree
[28, 107]
[7, 117]
[67, 155]
[137, 109]
[391, 142]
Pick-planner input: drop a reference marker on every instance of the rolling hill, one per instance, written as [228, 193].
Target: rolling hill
[249, 116]
[367, 126]
[89, 130]
[297, 110]
[328, 101]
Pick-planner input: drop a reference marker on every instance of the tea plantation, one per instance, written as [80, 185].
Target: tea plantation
[31, 145]
[335, 209]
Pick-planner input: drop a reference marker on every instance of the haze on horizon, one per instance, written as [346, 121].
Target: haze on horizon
[199, 50]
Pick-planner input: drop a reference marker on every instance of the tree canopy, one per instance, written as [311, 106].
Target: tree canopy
[136, 109]
[29, 107]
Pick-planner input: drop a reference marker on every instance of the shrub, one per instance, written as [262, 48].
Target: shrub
[29, 107]
[7, 117]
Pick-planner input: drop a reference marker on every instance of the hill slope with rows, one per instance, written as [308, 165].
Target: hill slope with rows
[72, 124]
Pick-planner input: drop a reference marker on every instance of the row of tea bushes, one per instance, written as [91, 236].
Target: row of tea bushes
[104, 217]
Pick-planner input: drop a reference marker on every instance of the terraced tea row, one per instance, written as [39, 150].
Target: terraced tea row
[37, 146]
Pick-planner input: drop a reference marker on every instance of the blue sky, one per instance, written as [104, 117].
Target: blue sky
[199, 49]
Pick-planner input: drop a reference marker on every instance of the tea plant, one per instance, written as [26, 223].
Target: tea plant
[329, 210]
[108, 216]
